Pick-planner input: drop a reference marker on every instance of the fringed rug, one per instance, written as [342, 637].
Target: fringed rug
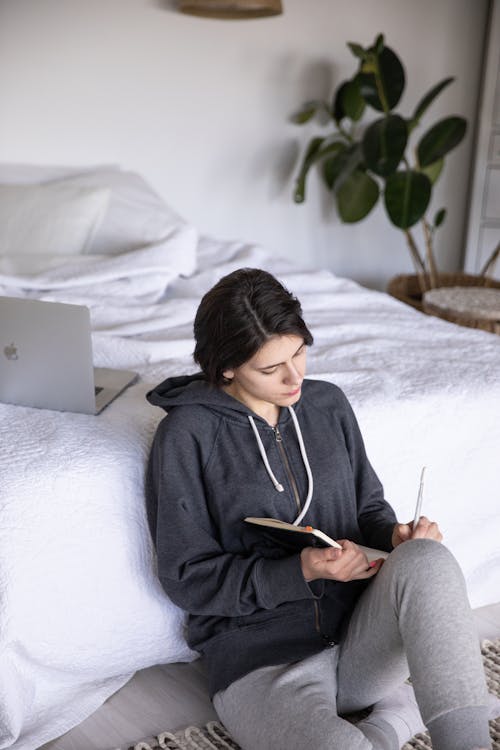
[213, 736]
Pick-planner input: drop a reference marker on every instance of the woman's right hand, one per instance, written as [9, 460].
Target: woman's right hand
[346, 564]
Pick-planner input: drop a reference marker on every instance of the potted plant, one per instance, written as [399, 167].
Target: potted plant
[362, 162]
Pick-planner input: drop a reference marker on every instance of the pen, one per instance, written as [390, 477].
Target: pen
[420, 496]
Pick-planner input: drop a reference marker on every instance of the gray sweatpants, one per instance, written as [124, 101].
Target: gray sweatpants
[413, 619]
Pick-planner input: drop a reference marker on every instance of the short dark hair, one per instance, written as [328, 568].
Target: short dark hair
[238, 315]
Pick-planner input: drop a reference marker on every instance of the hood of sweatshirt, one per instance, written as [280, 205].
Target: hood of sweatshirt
[195, 389]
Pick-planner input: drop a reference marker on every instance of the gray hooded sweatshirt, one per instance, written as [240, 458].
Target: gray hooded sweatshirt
[248, 603]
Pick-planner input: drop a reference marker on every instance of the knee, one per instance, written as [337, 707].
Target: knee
[422, 579]
[424, 559]
[415, 550]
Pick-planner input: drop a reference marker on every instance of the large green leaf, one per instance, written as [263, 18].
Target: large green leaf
[308, 160]
[384, 144]
[338, 110]
[356, 196]
[348, 102]
[434, 170]
[440, 139]
[357, 50]
[353, 103]
[315, 152]
[427, 100]
[339, 167]
[332, 168]
[378, 44]
[382, 89]
[308, 111]
[407, 195]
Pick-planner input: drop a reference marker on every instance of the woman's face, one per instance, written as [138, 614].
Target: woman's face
[272, 377]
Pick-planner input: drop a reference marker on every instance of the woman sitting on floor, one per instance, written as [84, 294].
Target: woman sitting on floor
[294, 640]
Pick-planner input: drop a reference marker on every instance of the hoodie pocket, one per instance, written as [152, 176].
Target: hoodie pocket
[265, 616]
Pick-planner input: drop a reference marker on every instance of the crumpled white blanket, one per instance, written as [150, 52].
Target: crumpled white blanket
[147, 270]
[80, 607]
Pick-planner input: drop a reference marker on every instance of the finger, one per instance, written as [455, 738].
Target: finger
[359, 565]
[404, 530]
[427, 529]
[331, 553]
[345, 543]
[349, 551]
[325, 553]
[420, 530]
[423, 528]
[321, 556]
[372, 571]
[377, 563]
[353, 562]
[348, 565]
[433, 532]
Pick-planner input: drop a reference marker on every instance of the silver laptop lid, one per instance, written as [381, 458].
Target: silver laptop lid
[46, 355]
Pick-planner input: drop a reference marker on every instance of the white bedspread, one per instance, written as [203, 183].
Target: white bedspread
[80, 607]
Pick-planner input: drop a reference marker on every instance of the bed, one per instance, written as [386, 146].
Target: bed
[80, 607]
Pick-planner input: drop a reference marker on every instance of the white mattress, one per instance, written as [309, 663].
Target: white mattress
[80, 607]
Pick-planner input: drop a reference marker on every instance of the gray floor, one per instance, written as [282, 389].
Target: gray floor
[172, 696]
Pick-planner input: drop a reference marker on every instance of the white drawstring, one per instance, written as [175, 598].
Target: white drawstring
[279, 487]
[306, 464]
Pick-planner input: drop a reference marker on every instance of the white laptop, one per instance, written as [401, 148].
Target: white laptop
[46, 358]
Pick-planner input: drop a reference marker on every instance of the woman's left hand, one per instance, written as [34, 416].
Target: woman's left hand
[424, 529]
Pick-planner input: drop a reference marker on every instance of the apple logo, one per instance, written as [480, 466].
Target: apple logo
[10, 351]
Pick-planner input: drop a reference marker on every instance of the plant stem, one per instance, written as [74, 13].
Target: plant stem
[491, 261]
[345, 133]
[430, 254]
[419, 264]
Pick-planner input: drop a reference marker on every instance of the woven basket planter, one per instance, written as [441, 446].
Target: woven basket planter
[406, 288]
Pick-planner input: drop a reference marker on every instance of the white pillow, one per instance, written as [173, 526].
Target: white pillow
[136, 215]
[55, 217]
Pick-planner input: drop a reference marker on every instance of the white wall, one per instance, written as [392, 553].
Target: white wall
[200, 108]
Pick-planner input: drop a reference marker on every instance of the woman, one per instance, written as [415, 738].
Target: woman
[292, 641]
